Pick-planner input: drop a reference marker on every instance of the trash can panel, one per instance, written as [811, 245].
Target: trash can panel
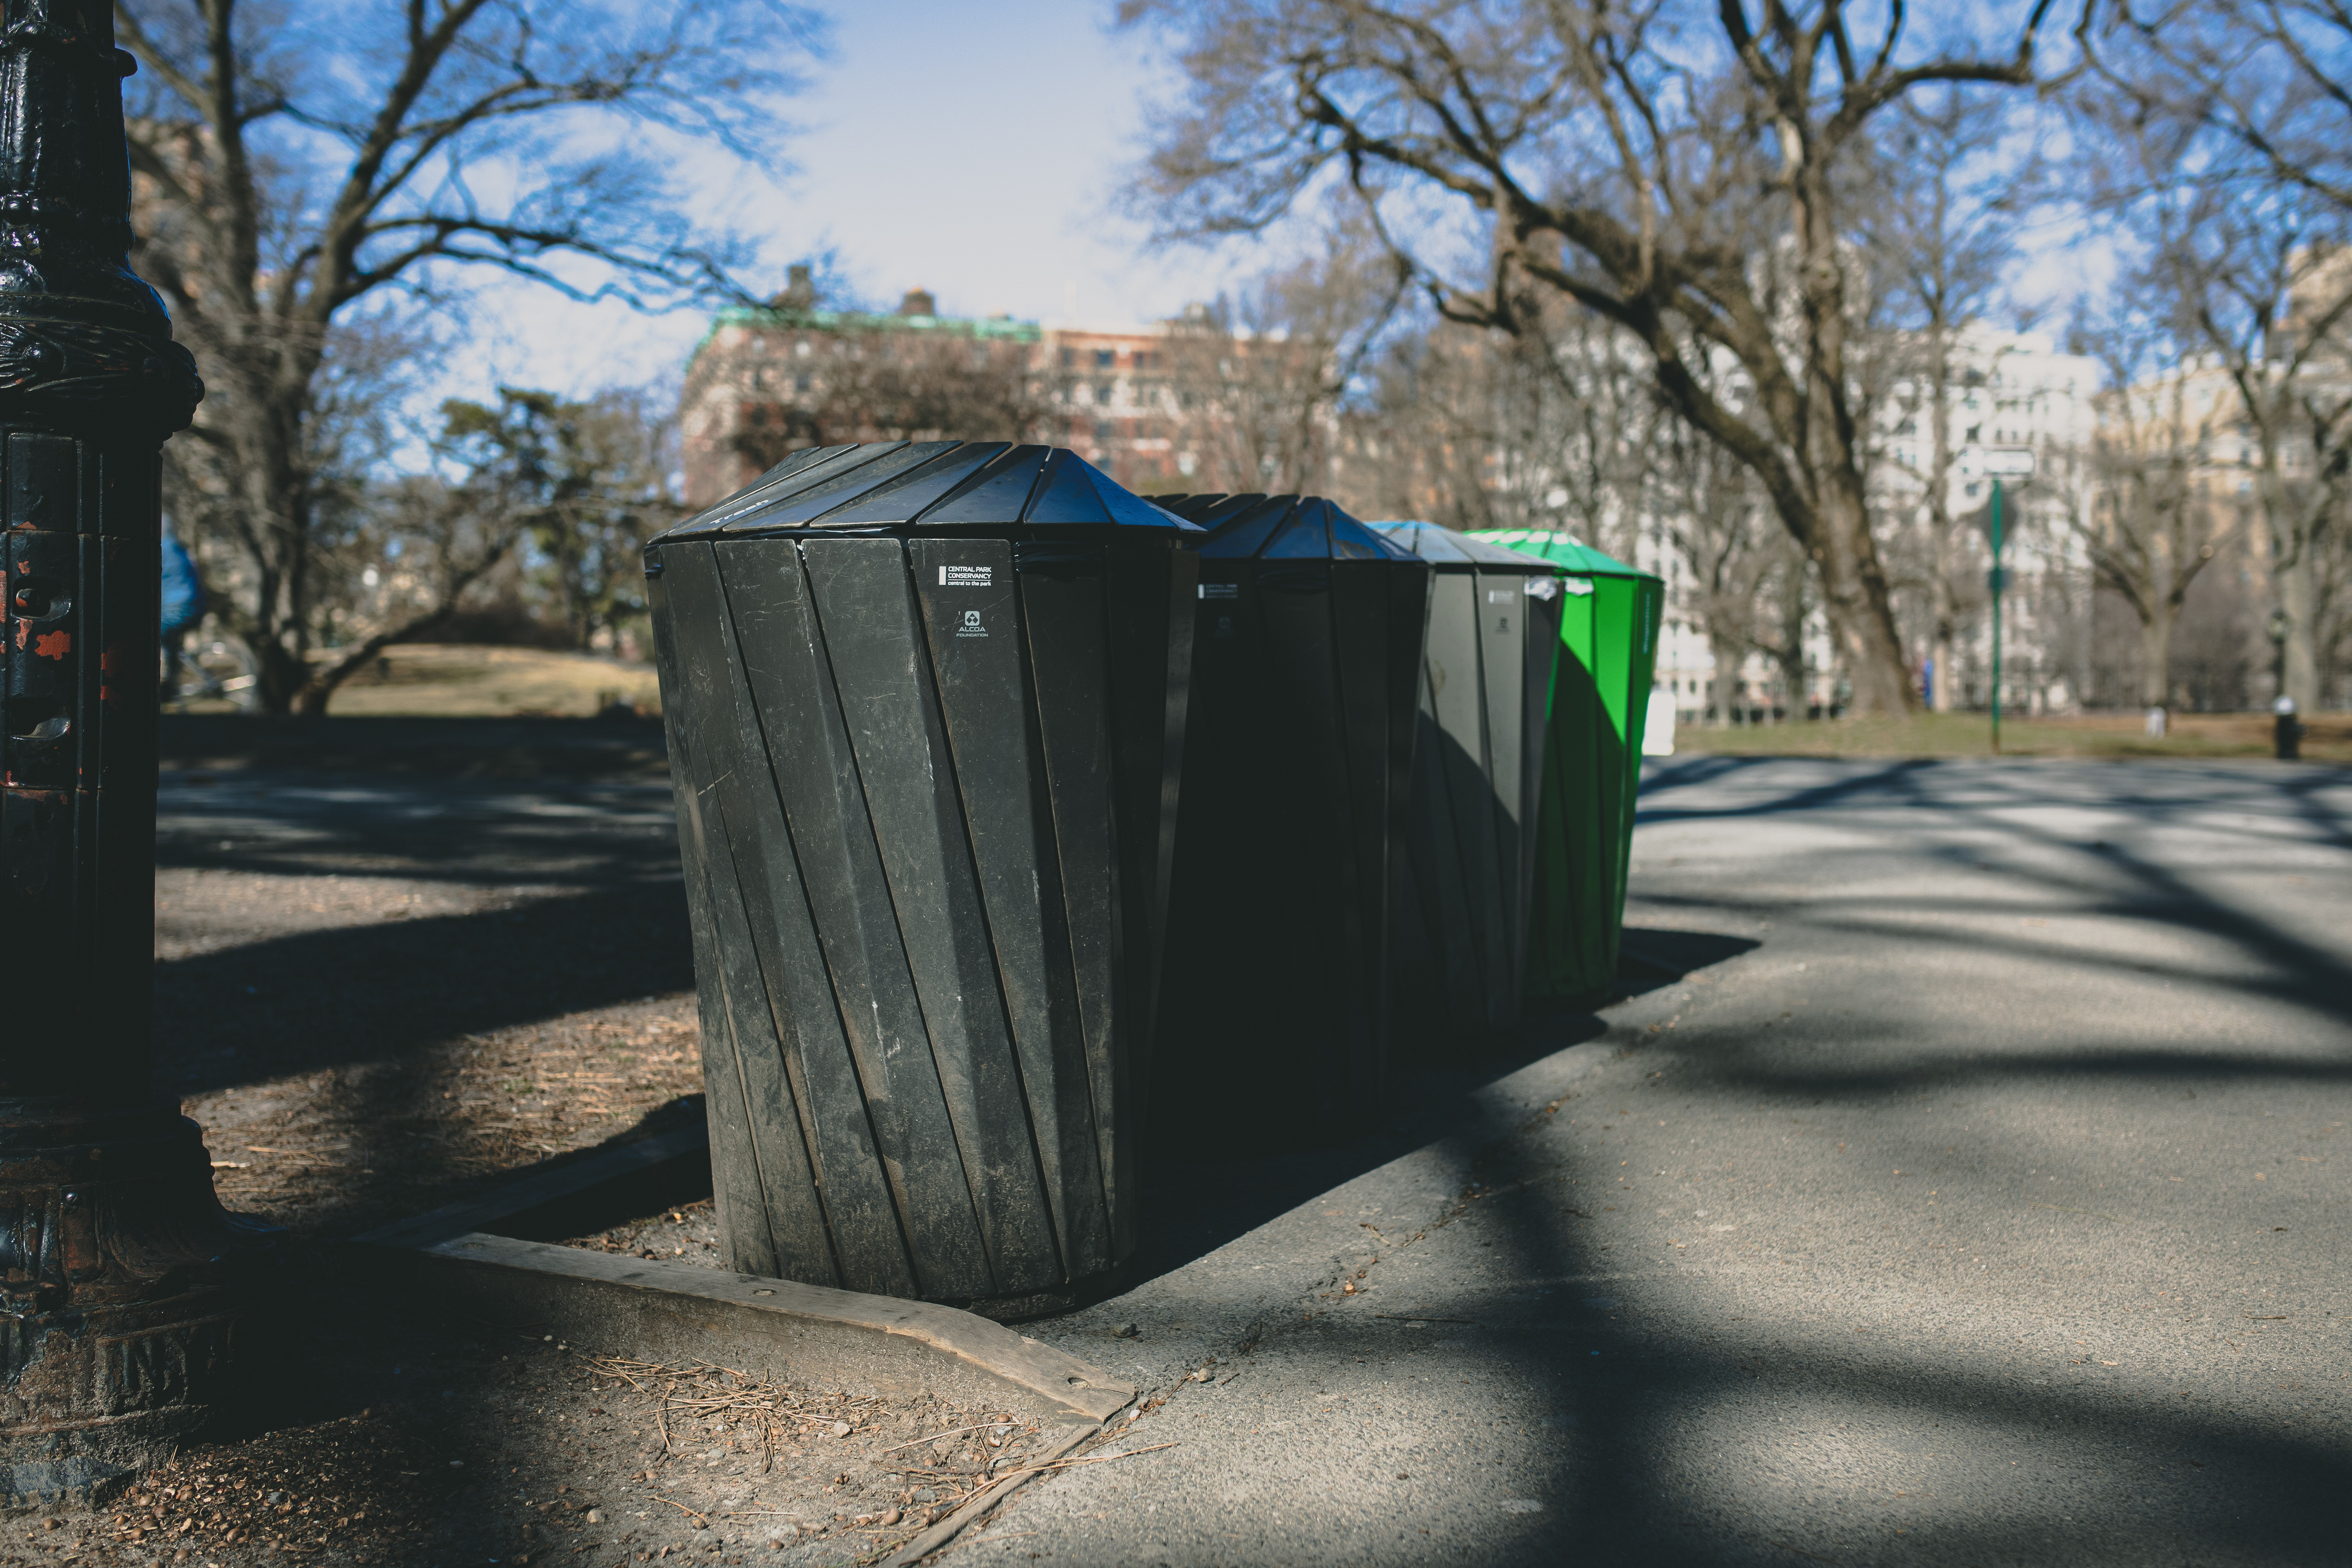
[801, 708]
[1460, 706]
[799, 504]
[1245, 523]
[737, 1193]
[1363, 617]
[1065, 496]
[794, 473]
[1304, 537]
[1351, 541]
[1447, 977]
[971, 605]
[1567, 938]
[752, 853]
[747, 1082]
[1502, 659]
[1154, 595]
[1250, 1006]
[882, 672]
[1127, 508]
[996, 493]
[1409, 601]
[1063, 607]
[1650, 605]
[738, 1186]
[907, 494]
[1576, 620]
[1318, 762]
[1542, 655]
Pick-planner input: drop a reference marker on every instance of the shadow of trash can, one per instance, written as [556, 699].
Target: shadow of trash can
[1460, 925]
[1592, 766]
[1297, 764]
[926, 706]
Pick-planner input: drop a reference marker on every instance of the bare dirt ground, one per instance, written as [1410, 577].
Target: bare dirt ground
[379, 1437]
[397, 962]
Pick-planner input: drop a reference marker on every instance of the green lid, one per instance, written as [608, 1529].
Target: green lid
[1562, 550]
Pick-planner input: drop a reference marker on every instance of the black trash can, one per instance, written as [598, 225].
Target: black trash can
[926, 710]
[1274, 1022]
[1466, 883]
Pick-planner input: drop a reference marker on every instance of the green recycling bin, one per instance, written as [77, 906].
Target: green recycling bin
[1593, 762]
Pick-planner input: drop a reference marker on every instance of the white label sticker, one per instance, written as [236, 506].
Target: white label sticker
[1221, 590]
[1502, 596]
[1578, 587]
[966, 576]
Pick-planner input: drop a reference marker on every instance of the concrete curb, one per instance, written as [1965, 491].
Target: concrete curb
[680, 1311]
[683, 1311]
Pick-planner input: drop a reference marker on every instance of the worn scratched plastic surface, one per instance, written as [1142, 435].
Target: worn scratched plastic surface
[926, 710]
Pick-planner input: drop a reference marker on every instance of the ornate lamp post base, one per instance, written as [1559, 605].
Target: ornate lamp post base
[120, 1277]
[121, 1280]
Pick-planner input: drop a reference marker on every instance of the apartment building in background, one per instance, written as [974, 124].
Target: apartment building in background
[1137, 400]
[2003, 389]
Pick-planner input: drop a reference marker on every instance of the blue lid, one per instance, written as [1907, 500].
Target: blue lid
[1280, 528]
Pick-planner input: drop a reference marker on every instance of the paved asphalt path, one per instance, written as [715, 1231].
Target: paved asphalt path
[1971, 1189]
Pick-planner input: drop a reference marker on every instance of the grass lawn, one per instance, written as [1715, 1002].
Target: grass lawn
[454, 680]
[2327, 738]
[448, 680]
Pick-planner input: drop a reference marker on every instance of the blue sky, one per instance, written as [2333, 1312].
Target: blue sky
[974, 150]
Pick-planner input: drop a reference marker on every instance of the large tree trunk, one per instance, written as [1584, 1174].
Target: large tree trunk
[1722, 682]
[1860, 611]
[1790, 654]
[280, 673]
[1939, 509]
[1943, 639]
[2156, 653]
[2295, 578]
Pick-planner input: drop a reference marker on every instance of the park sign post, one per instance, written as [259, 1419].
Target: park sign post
[1998, 463]
[121, 1280]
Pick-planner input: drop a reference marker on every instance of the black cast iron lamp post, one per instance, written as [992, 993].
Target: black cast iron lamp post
[119, 1271]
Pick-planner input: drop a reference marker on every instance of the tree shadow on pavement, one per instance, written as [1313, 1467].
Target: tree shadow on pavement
[1728, 1409]
[1197, 1199]
[2133, 1472]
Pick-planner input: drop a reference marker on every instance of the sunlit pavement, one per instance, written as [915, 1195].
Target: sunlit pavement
[1990, 1208]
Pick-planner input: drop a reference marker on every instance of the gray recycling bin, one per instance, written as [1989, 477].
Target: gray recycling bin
[926, 710]
[1465, 884]
[1306, 654]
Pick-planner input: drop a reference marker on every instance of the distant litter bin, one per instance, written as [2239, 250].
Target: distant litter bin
[1592, 768]
[926, 710]
[1460, 931]
[1297, 763]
